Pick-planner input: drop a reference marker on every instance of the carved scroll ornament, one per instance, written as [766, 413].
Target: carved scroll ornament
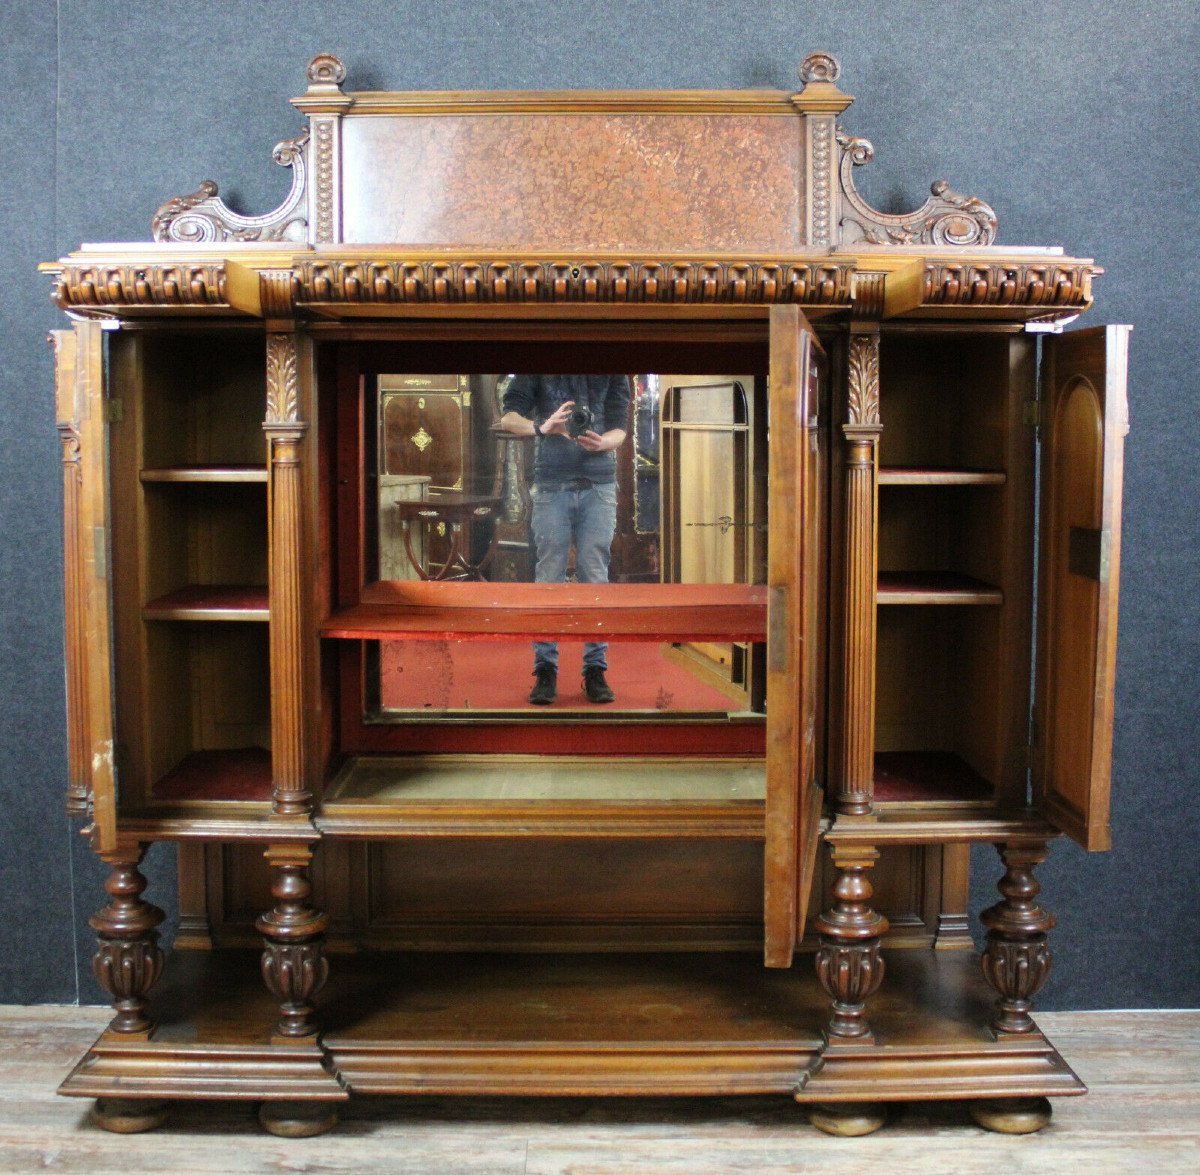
[204, 216]
[946, 218]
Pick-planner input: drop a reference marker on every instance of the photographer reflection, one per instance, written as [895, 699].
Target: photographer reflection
[578, 422]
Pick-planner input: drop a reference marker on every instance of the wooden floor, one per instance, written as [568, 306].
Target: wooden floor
[1143, 1114]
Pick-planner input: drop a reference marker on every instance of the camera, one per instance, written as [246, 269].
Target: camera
[580, 421]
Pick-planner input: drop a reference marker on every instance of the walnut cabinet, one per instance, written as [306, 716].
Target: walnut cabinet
[755, 882]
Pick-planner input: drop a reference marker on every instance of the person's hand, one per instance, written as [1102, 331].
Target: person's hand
[557, 421]
[595, 443]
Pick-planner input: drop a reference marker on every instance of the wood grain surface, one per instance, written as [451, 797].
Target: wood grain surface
[1143, 1112]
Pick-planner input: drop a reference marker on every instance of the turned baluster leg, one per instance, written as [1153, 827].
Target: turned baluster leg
[1016, 959]
[849, 963]
[128, 959]
[294, 966]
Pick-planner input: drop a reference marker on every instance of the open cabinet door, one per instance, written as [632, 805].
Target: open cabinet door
[793, 802]
[79, 378]
[1086, 417]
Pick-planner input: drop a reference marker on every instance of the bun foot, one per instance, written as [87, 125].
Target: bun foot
[1012, 1115]
[848, 1119]
[128, 1115]
[297, 1119]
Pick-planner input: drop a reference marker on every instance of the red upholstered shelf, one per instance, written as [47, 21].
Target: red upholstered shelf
[484, 611]
[934, 777]
[211, 602]
[242, 774]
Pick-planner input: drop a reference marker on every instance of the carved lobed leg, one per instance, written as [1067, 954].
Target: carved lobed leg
[294, 966]
[1016, 959]
[128, 959]
[849, 963]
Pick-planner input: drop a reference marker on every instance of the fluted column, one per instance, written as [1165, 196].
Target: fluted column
[285, 432]
[855, 787]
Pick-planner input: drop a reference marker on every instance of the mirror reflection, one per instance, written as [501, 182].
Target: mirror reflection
[535, 478]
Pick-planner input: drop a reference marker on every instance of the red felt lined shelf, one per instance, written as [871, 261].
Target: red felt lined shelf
[484, 611]
[243, 774]
[935, 587]
[932, 777]
[211, 602]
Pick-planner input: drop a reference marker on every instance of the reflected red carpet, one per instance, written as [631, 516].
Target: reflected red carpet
[496, 675]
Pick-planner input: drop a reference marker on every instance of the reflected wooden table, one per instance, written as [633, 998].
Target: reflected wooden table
[458, 514]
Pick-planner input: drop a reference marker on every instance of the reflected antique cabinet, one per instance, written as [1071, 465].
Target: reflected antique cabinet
[763, 896]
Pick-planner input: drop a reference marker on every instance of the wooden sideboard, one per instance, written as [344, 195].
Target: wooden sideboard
[767, 894]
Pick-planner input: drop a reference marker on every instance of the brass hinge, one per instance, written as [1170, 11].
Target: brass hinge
[114, 410]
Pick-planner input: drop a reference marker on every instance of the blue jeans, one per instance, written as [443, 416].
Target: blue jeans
[587, 517]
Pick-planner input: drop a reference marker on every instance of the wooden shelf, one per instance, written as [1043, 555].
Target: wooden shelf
[541, 795]
[484, 611]
[207, 474]
[935, 587]
[927, 777]
[914, 476]
[210, 602]
[237, 775]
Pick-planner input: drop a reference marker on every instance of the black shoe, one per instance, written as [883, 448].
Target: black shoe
[594, 685]
[545, 689]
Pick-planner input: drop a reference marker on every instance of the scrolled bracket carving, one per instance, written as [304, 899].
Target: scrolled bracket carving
[203, 216]
[946, 218]
[1016, 958]
[128, 959]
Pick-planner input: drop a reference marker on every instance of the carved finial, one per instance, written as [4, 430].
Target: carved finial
[326, 70]
[820, 67]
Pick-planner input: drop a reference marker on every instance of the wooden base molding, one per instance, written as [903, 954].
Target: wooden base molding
[584, 1025]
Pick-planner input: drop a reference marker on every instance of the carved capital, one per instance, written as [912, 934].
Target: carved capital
[203, 216]
[863, 392]
[283, 383]
[946, 218]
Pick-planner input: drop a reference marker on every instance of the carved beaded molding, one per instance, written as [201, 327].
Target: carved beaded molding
[385, 281]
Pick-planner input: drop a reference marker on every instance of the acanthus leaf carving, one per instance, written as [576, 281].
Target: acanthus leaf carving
[863, 406]
[283, 387]
[946, 218]
[203, 216]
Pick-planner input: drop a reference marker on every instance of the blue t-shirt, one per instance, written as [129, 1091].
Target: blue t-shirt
[560, 459]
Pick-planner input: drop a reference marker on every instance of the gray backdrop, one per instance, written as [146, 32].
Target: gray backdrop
[1071, 120]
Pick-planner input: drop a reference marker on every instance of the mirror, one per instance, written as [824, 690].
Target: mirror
[524, 478]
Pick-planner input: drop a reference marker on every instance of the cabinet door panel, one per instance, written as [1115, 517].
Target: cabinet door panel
[1085, 421]
[79, 375]
[793, 553]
